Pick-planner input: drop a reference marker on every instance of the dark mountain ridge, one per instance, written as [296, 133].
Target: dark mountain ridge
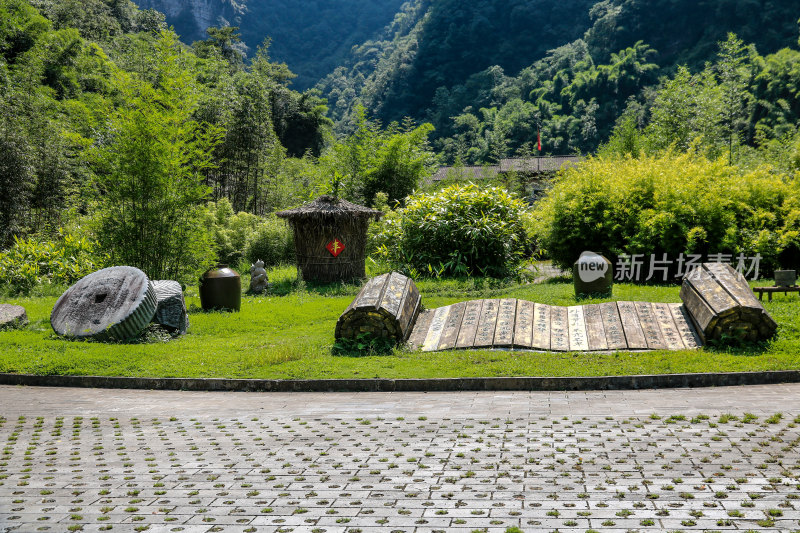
[311, 36]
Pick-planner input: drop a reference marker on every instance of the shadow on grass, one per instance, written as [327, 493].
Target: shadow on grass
[736, 347]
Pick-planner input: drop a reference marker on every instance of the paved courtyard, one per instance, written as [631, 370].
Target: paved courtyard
[678, 460]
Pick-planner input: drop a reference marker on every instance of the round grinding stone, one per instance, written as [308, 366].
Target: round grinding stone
[12, 316]
[115, 303]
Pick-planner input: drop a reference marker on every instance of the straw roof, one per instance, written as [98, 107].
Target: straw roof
[326, 207]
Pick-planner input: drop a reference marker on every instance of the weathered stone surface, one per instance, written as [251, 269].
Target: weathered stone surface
[171, 307]
[669, 330]
[436, 328]
[592, 274]
[722, 305]
[595, 330]
[487, 323]
[541, 327]
[652, 331]
[578, 341]
[506, 317]
[115, 303]
[520, 324]
[12, 316]
[469, 324]
[452, 326]
[631, 326]
[259, 282]
[523, 325]
[420, 332]
[559, 329]
[387, 306]
[785, 278]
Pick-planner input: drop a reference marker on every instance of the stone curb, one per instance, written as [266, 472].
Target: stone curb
[663, 381]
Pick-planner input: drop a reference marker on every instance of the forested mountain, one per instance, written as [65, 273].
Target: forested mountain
[311, 36]
[71, 70]
[488, 74]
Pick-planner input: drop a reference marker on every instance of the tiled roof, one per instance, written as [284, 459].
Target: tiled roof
[538, 164]
[465, 173]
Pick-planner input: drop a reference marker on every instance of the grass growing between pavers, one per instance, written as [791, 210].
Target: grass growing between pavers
[289, 335]
[471, 474]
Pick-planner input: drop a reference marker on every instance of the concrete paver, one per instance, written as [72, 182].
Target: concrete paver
[700, 459]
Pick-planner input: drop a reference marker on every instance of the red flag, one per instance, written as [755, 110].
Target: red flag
[539, 140]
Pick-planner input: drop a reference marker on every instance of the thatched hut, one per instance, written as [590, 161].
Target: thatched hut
[330, 236]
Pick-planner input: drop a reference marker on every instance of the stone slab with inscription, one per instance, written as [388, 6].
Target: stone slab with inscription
[523, 325]
[514, 324]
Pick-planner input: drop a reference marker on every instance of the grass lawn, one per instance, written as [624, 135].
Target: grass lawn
[290, 335]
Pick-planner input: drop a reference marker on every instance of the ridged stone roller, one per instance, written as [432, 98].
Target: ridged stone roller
[387, 307]
[722, 305]
[113, 304]
[171, 311]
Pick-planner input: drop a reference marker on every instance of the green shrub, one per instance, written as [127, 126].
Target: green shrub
[669, 204]
[272, 243]
[33, 261]
[459, 230]
[232, 231]
[244, 236]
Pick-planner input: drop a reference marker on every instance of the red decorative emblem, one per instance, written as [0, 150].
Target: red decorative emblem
[335, 247]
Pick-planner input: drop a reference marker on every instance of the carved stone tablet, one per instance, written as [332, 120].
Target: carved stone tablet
[630, 324]
[452, 326]
[595, 332]
[486, 325]
[12, 316]
[578, 341]
[685, 326]
[469, 324]
[506, 316]
[669, 331]
[115, 303]
[523, 327]
[652, 331]
[559, 329]
[420, 331]
[615, 334]
[435, 330]
[541, 327]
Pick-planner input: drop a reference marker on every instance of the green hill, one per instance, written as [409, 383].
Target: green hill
[312, 36]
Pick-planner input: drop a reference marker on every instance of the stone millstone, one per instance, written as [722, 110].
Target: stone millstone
[12, 316]
[171, 310]
[115, 303]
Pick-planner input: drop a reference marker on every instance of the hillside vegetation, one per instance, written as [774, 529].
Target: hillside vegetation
[492, 72]
[311, 36]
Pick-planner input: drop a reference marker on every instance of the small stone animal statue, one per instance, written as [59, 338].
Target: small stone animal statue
[258, 277]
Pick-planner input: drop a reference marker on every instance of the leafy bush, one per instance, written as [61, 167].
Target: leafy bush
[30, 262]
[460, 230]
[273, 243]
[244, 236]
[232, 231]
[669, 204]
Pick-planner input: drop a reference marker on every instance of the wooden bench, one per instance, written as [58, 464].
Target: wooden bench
[771, 290]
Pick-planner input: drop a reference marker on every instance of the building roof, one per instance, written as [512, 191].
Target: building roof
[327, 206]
[539, 164]
[465, 173]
